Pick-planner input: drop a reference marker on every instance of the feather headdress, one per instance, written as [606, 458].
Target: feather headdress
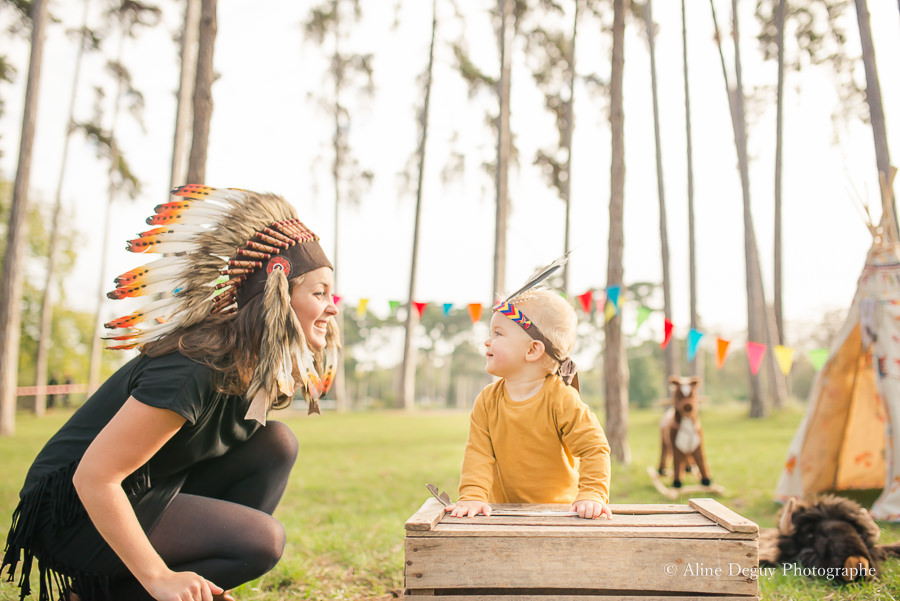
[222, 247]
[566, 367]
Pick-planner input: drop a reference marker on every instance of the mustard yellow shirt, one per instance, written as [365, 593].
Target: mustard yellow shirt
[546, 449]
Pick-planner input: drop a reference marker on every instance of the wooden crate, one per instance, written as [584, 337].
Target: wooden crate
[701, 551]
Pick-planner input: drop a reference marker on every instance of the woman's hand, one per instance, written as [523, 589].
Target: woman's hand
[183, 586]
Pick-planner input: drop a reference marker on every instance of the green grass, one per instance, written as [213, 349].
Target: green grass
[360, 476]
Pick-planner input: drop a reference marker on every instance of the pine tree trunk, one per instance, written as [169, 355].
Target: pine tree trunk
[340, 390]
[873, 98]
[185, 110]
[11, 280]
[408, 386]
[504, 141]
[203, 103]
[779, 147]
[566, 188]
[96, 338]
[689, 151]
[46, 327]
[615, 367]
[672, 369]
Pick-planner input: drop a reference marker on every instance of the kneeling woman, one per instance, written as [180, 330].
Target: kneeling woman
[162, 485]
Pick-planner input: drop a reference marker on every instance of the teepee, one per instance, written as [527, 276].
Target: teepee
[850, 436]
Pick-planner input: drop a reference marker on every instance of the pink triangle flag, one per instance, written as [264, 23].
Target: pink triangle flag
[755, 353]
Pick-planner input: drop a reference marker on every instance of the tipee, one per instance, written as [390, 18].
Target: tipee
[849, 438]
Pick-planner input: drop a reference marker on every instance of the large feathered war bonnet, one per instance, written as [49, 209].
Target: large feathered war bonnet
[222, 248]
[566, 368]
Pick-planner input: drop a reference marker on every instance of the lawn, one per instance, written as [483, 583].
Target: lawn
[359, 477]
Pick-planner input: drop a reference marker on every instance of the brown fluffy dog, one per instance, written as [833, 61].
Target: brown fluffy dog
[833, 536]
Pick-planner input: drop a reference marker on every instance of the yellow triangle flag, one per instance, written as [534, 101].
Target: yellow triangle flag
[785, 357]
[361, 307]
[610, 311]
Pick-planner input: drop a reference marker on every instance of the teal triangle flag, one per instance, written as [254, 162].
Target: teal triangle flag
[693, 341]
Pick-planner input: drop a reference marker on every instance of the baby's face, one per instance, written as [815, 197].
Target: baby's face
[506, 346]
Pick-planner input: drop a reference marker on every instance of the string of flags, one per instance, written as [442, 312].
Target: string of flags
[608, 303]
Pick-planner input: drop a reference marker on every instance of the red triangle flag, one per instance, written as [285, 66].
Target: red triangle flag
[587, 300]
[475, 311]
[668, 337]
[420, 308]
[755, 353]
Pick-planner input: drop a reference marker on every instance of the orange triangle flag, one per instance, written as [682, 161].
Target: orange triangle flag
[721, 351]
[475, 311]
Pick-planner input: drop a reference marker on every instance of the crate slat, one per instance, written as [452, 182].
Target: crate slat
[724, 516]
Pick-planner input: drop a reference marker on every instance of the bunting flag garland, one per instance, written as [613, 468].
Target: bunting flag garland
[447, 307]
[642, 314]
[669, 326]
[361, 307]
[785, 358]
[475, 310]
[694, 337]
[721, 351]
[393, 306]
[420, 308]
[818, 357]
[587, 301]
[755, 353]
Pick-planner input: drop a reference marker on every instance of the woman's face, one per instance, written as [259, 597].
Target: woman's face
[313, 303]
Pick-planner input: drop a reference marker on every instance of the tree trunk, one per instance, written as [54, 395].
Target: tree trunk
[779, 146]
[408, 386]
[505, 35]
[96, 339]
[692, 250]
[672, 369]
[873, 98]
[340, 390]
[46, 327]
[566, 188]
[11, 281]
[203, 104]
[184, 111]
[615, 368]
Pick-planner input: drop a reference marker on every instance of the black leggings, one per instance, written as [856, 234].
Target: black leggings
[220, 525]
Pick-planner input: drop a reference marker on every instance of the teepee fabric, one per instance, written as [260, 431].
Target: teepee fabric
[846, 439]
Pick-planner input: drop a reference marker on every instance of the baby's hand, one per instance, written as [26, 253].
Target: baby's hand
[591, 509]
[468, 508]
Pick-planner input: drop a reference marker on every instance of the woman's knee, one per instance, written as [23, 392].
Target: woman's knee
[267, 546]
[282, 443]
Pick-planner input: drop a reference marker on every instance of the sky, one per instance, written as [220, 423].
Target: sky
[268, 133]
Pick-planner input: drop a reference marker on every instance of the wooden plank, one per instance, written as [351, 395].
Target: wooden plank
[674, 520]
[558, 597]
[623, 508]
[723, 516]
[429, 514]
[463, 530]
[673, 565]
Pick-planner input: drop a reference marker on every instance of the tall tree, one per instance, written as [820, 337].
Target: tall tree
[873, 97]
[689, 155]
[87, 40]
[671, 367]
[184, 113]
[758, 329]
[13, 269]
[615, 367]
[408, 382]
[351, 72]
[202, 103]
[129, 14]
[556, 77]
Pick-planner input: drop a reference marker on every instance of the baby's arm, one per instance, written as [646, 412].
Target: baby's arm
[477, 474]
[582, 434]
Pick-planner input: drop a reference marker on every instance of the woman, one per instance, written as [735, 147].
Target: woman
[162, 485]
